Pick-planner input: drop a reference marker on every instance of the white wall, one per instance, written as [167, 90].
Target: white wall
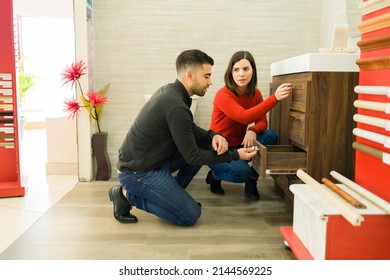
[46, 8]
[340, 12]
[136, 44]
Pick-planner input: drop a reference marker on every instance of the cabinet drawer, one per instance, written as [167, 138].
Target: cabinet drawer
[282, 158]
[298, 127]
[300, 97]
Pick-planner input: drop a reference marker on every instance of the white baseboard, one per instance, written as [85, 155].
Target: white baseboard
[61, 169]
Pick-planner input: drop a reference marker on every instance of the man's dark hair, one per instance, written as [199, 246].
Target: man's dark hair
[229, 81]
[192, 58]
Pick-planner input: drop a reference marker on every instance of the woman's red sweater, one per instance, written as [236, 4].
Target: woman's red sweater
[233, 113]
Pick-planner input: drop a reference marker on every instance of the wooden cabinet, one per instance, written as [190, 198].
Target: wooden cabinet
[317, 118]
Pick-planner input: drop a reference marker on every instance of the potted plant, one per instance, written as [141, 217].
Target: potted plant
[26, 82]
[93, 102]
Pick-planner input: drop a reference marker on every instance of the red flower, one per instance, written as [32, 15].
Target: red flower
[92, 101]
[96, 99]
[72, 107]
[74, 72]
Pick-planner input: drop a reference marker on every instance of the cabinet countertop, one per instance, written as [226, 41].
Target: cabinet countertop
[317, 62]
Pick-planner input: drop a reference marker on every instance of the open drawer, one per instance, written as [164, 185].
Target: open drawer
[281, 159]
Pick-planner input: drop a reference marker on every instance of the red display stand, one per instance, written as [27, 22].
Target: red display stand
[10, 183]
[370, 240]
[295, 244]
[346, 242]
[371, 172]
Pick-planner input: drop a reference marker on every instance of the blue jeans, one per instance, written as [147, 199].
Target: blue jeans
[240, 171]
[158, 192]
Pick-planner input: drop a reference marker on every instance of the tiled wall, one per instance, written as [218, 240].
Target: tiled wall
[136, 44]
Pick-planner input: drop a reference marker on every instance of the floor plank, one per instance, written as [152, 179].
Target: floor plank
[81, 226]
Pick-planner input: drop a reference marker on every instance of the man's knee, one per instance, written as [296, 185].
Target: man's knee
[192, 217]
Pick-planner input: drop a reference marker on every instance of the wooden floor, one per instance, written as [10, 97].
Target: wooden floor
[81, 226]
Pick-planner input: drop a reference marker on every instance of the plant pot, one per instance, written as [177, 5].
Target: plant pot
[103, 164]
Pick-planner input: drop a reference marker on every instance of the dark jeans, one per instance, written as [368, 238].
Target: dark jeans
[158, 192]
[240, 171]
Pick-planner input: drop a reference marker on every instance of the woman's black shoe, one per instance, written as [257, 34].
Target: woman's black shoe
[121, 206]
[215, 185]
[251, 190]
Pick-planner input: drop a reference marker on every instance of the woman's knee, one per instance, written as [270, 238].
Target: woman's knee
[244, 175]
[273, 136]
[268, 137]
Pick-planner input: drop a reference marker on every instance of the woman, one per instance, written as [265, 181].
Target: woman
[239, 114]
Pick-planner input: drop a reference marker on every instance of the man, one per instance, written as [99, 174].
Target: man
[164, 139]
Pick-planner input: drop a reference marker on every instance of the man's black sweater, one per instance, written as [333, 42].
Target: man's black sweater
[165, 124]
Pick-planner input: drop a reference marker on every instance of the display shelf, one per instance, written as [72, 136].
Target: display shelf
[10, 183]
[329, 232]
[327, 235]
[371, 172]
[8, 189]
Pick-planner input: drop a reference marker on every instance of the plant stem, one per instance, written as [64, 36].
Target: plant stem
[95, 117]
[91, 108]
[81, 90]
[98, 126]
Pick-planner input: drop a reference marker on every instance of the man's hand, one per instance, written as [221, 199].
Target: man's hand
[220, 144]
[247, 153]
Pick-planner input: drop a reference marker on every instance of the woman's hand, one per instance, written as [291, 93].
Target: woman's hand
[283, 91]
[249, 139]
